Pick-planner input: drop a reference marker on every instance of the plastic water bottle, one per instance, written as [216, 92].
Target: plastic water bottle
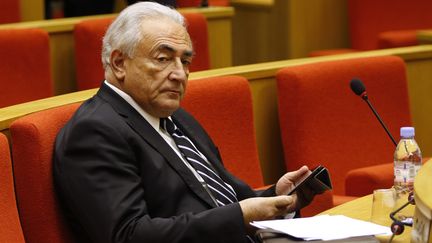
[407, 163]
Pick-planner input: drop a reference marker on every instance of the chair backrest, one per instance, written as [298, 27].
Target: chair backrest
[32, 147]
[223, 105]
[368, 18]
[25, 66]
[10, 226]
[323, 122]
[88, 36]
[10, 11]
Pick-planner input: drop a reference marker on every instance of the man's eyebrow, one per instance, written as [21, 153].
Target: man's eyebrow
[165, 47]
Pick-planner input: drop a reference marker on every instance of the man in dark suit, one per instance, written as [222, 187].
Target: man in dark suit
[121, 177]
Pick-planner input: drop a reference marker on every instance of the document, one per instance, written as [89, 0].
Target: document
[324, 227]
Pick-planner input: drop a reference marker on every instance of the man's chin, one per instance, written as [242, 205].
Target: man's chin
[169, 109]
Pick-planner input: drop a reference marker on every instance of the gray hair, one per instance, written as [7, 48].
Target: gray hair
[125, 32]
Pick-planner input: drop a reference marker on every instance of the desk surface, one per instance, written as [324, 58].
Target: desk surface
[361, 209]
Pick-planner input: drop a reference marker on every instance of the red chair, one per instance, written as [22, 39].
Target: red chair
[88, 36]
[25, 66]
[226, 113]
[10, 227]
[10, 11]
[323, 122]
[384, 24]
[32, 147]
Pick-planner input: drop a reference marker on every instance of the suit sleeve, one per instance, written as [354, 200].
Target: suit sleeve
[98, 179]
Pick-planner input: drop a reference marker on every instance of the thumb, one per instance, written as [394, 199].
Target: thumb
[282, 201]
[300, 172]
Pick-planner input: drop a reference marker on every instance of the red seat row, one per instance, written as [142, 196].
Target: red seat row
[383, 24]
[26, 70]
[321, 122]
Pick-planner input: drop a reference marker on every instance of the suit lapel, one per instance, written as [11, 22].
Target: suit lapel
[152, 137]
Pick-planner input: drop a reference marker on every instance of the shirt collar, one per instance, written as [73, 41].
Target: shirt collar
[154, 121]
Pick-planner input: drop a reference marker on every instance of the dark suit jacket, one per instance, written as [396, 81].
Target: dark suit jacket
[119, 181]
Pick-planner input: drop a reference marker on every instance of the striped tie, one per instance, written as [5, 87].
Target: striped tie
[220, 190]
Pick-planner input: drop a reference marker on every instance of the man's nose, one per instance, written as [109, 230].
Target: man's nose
[179, 72]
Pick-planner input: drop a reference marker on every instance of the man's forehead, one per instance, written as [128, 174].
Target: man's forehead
[169, 48]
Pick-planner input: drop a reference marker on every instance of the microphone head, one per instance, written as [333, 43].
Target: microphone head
[357, 86]
[397, 228]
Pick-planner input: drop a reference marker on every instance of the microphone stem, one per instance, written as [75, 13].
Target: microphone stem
[379, 119]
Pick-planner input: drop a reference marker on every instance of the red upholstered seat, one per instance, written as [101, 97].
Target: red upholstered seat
[385, 23]
[24, 66]
[32, 147]
[223, 105]
[88, 36]
[10, 11]
[10, 227]
[323, 122]
[369, 18]
[397, 38]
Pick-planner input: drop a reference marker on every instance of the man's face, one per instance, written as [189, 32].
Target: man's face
[156, 76]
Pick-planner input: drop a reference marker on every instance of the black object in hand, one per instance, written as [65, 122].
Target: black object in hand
[318, 181]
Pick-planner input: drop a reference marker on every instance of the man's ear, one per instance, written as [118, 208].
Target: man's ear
[117, 60]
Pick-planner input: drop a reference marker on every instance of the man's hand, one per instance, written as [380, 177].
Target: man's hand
[288, 181]
[302, 197]
[263, 208]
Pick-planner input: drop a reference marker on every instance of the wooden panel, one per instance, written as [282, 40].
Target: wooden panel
[269, 30]
[262, 79]
[32, 10]
[316, 25]
[62, 43]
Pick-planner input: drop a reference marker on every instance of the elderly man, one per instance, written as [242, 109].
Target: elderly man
[131, 166]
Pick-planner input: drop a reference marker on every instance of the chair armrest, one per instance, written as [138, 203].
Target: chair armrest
[362, 181]
[397, 38]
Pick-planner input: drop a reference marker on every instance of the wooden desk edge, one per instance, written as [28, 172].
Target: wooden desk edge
[253, 3]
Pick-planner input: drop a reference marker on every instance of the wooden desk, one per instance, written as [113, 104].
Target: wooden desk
[361, 209]
[62, 42]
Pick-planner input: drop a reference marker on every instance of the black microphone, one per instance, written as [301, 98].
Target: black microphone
[359, 89]
[398, 226]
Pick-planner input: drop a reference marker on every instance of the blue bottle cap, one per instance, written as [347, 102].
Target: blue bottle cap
[407, 132]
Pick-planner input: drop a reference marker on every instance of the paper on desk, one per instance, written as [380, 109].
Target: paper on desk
[323, 227]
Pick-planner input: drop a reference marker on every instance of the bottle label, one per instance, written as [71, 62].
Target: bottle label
[405, 172]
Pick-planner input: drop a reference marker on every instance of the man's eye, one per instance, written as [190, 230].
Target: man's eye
[162, 59]
[186, 62]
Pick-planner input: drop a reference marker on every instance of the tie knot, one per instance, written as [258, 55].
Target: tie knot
[168, 125]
